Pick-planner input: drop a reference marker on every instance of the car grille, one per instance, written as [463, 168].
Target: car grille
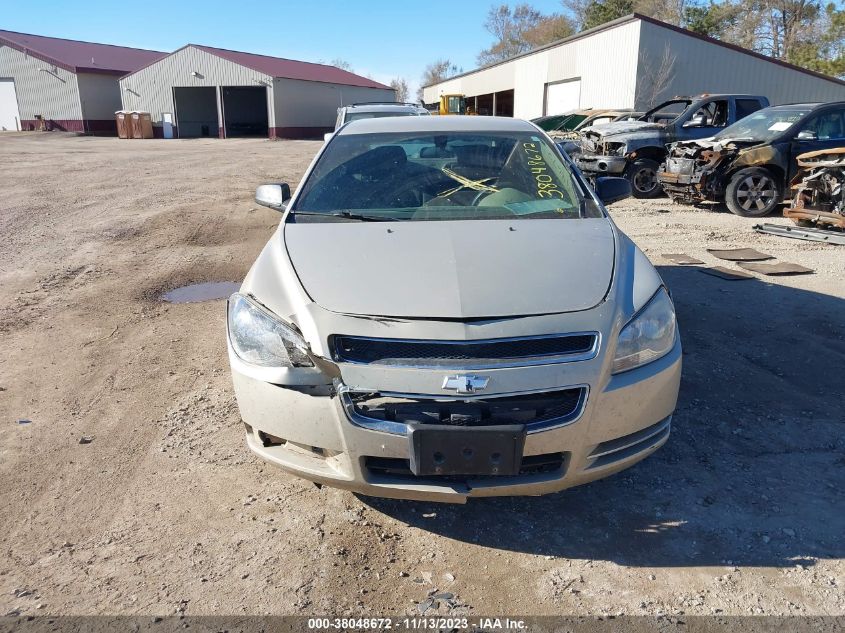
[622, 448]
[464, 354]
[532, 465]
[537, 411]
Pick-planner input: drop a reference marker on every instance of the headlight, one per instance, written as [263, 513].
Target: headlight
[259, 337]
[648, 336]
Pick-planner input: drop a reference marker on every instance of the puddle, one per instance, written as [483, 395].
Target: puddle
[208, 291]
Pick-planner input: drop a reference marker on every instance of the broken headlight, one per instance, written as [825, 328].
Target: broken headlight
[614, 149]
[261, 338]
[648, 336]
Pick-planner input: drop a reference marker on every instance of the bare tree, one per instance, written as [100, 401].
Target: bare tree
[436, 72]
[656, 77]
[400, 86]
[520, 29]
[342, 64]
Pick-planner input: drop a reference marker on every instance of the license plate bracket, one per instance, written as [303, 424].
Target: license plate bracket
[439, 449]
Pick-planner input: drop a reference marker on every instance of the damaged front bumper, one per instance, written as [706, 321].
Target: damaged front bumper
[602, 165]
[352, 431]
[693, 173]
[819, 189]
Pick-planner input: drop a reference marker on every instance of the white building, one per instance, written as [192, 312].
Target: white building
[203, 91]
[633, 62]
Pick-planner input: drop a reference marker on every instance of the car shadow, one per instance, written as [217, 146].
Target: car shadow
[753, 473]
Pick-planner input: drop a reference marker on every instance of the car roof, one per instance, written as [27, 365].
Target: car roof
[790, 106]
[436, 124]
[384, 107]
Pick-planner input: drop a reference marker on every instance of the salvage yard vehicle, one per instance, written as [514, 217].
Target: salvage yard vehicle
[819, 189]
[374, 110]
[636, 149]
[750, 164]
[447, 311]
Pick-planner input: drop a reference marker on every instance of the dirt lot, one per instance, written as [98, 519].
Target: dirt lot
[131, 489]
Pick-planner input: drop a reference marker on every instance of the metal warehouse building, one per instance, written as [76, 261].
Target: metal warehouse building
[202, 91]
[70, 85]
[633, 62]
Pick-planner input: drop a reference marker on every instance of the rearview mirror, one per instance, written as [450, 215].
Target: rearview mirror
[807, 135]
[696, 121]
[612, 189]
[274, 196]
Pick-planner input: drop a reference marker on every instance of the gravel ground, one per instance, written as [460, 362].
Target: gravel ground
[130, 489]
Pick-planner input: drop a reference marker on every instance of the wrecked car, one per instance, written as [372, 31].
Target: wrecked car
[636, 149]
[748, 165]
[447, 311]
[819, 189]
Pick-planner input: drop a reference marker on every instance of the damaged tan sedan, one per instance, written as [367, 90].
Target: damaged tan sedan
[446, 311]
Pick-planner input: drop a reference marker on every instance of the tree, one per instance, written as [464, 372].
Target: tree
[656, 77]
[436, 72]
[342, 64]
[597, 13]
[520, 29]
[401, 88]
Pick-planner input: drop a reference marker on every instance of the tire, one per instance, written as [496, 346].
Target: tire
[643, 176]
[752, 192]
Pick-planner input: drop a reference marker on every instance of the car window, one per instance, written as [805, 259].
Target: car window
[713, 114]
[825, 127]
[667, 111]
[744, 107]
[453, 176]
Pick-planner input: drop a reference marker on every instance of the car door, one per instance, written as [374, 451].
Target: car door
[825, 130]
[706, 118]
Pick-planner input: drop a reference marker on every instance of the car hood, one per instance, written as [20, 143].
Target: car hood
[620, 127]
[454, 269]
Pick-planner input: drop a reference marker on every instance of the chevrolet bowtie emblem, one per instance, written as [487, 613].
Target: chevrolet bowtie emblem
[465, 384]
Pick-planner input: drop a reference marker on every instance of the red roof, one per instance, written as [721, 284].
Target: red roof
[77, 56]
[293, 69]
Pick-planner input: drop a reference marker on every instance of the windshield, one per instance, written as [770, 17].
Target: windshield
[667, 111]
[763, 125]
[454, 176]
[354, 116]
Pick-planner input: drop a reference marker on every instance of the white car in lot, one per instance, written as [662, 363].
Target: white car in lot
[358, 111]
[447, 311]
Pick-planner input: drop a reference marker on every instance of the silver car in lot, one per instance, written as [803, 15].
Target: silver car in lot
[447, 311]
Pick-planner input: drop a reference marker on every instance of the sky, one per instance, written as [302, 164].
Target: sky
[382, 39]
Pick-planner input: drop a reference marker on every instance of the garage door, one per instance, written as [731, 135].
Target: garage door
[9, 117]
[563, 96]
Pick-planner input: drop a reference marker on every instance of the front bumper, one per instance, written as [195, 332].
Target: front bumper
[600, 165]
[684, 179]
[307, 431]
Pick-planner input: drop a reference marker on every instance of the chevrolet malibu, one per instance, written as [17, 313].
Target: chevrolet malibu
[447, 311]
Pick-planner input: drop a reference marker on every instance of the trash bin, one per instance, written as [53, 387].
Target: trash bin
[142, 125]
[124, 123]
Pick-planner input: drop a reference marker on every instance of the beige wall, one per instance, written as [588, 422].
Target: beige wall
[99, 95]
[150, 89]
[53, 94]
[701, 66]
[314, 104]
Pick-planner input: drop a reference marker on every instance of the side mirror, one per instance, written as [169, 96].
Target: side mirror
[696, 121]
[273, 196]
[327, 136]
[612, 189]
[807, 135]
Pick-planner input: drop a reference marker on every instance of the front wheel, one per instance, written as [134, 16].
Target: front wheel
[752, 193]
[643, 176]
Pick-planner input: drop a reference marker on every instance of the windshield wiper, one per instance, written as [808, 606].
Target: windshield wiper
[348, 215]
[362, 217]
